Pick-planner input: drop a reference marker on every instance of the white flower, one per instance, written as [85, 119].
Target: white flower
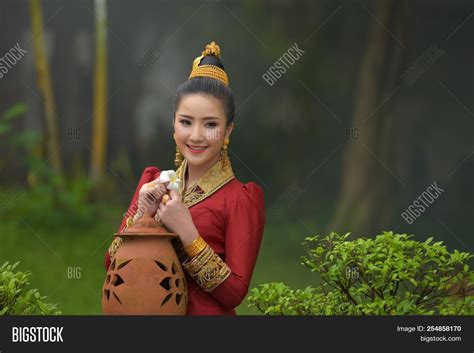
[169, 176]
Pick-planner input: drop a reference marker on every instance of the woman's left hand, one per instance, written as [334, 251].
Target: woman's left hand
[177, 218]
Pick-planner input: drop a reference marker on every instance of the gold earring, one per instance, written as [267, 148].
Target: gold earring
[225, 156]
[178, 159]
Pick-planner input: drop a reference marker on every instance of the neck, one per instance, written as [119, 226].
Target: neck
[195, 172]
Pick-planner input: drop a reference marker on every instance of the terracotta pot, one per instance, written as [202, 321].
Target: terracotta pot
[145, 276]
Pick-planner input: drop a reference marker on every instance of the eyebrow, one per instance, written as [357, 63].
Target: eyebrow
[205, 118]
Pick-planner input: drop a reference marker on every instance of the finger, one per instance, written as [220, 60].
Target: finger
[156, 186]
[161, 206]
[148, 185]
[174, 195]
[154, 190]
[146, 188]
[165, 198]
[157, 192]
[151, 198]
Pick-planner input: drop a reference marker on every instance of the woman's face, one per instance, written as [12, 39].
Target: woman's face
[200, 129]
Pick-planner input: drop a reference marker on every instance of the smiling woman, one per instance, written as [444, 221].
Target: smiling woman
[201, 130]
[219, 220]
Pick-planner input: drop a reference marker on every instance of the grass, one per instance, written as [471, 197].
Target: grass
[53, 252]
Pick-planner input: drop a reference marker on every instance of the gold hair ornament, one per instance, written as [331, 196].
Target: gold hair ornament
[211, 71]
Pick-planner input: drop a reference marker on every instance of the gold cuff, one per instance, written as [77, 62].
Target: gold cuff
[207, 269]
[114, 247]
[195, 247]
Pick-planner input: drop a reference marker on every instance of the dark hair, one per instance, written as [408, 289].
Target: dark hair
[210, 86]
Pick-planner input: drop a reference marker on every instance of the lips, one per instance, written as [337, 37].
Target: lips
[196, 149]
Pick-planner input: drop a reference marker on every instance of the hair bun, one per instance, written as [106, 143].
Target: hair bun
[209, 64]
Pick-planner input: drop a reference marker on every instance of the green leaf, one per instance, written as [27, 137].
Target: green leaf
[4, 128]
[14, 111]
[26, 138]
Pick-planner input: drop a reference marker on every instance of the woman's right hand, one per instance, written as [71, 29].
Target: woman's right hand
[149, 197]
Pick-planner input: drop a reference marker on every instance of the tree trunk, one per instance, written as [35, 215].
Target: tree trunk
[45, 88]
[99, 129]
[365, 201]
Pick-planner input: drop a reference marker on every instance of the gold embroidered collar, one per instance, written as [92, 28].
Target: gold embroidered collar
[215, 178]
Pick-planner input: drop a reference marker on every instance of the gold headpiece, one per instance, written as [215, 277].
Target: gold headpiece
[209, 70]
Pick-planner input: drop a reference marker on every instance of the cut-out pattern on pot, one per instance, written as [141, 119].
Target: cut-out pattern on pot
[145, 276]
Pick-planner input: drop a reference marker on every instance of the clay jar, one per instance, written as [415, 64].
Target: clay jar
[145, 277]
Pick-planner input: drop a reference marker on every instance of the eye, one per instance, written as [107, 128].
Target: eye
[185, 122]
[211, 125]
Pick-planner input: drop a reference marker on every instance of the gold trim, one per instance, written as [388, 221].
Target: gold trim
[207, 269]
[114, 246]
[214, 179]
[211, 71]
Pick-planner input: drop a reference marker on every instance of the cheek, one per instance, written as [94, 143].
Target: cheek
[180, 133]
[214, 137]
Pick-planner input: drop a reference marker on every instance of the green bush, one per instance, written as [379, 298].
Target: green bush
[52, 199]
[43, 206]
[16, 299]
[391, 274]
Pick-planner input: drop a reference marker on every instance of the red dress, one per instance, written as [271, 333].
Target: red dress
[231, 220]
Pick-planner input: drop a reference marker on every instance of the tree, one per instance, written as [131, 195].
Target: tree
[366, 179]
[45, 87]
[99, 129]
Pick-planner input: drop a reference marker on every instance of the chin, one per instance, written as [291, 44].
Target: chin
[198, 160]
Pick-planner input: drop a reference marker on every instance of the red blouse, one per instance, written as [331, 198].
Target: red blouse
[231, 221]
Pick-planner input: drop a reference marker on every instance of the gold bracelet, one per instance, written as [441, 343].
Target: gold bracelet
[195, 247]
[207, 269]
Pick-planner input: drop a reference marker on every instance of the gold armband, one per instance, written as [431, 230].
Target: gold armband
[195, 247]
[207, 269]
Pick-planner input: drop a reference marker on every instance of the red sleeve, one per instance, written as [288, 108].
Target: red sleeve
[149, 174]
[244, 231]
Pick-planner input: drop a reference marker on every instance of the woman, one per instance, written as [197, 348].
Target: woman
[219, 220]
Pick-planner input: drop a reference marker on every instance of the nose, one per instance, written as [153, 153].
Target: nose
[196, 134]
